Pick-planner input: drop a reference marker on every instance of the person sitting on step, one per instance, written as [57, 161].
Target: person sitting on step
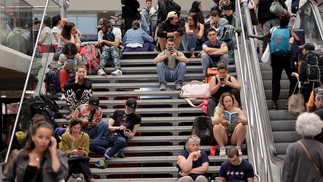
[78, 90]
[123, 124]
[67, 63]
[91, 116]
[109, 39]
[137, 40]
[171, 66]
[193, 164]
[223, 82]
[236, 168]
[75, 144]
[229, 124]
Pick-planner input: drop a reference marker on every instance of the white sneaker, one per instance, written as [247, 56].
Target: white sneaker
[239, 150]
[101, 72]
[116, 72]
[222, 152]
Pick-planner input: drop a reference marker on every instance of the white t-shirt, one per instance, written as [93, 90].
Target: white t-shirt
[48, 39]
[116, 31]
[55, 30]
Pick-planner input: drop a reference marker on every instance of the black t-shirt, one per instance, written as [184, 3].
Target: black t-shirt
[128, 120]
[31, 172]
[236, 173]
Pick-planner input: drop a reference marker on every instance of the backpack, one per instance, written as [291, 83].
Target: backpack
[202, 127]
[319, 55]
[312, 67]
[42, 104]
[52, 81]
[118, 22]
[279, 41]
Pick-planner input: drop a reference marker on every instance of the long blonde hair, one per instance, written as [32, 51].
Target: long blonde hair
[221, 105]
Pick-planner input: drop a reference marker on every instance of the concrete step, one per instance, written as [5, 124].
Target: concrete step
[155, 159]
[265, 67]
[283, 125]
[149, 120]
[170, 93]
[137, 77]
[143, 61]
[152, 111]
[285, 136]
[156, 139]
[141, 102]
[149, 55]
[138, 180]
[144, 170]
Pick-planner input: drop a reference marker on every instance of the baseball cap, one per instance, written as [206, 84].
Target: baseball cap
[132, 104]
[94, 102]
[102, 22]
[171, 14]
[308, 46]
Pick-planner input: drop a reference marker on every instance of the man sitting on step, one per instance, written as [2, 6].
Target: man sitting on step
[171, 66]
[193, 164]
[236, 168]
[109, 39]
[123, 124]
[91, 116]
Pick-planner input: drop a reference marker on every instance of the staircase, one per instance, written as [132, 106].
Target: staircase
[166, 120]
[282, 123]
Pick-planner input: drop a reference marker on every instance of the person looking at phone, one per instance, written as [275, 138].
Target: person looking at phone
[76, 147]
[39, 160]
[171, 66]
[223, 82]
[91, 117]
[193, 163]
[213, 51]
[233, 132]
[78, 90]
[123, 124]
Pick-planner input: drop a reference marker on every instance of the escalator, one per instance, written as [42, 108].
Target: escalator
[274, 130]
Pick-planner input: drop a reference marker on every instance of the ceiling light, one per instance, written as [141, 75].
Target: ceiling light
[3, 96]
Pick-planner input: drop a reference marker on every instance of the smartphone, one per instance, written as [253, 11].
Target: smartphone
[80, 148]
[170, 48]
[221, 79]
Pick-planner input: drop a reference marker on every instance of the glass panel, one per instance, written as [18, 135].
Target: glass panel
[312, 33]
[41, 52]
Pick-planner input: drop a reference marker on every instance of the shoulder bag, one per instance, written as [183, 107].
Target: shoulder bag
[316, 166]
[296, 101]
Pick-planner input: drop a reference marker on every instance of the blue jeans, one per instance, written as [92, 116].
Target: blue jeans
[101, 145]
[112, 52]
[166, 75]
[148, 46]
[97, 131]
[191, 42]
[208, 60]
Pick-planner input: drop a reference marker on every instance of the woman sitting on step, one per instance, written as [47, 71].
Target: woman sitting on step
[229, 124]
[76, 147]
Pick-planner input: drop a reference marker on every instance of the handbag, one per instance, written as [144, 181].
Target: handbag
[277, 9]
[266, 57]
[195, 90]
[296, 101]
[316, 166]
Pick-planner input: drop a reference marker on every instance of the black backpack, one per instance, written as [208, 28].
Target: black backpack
[312, 68]
[202, 127]
[47, 107]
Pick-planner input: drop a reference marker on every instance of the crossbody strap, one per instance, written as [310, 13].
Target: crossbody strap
[316, 166]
